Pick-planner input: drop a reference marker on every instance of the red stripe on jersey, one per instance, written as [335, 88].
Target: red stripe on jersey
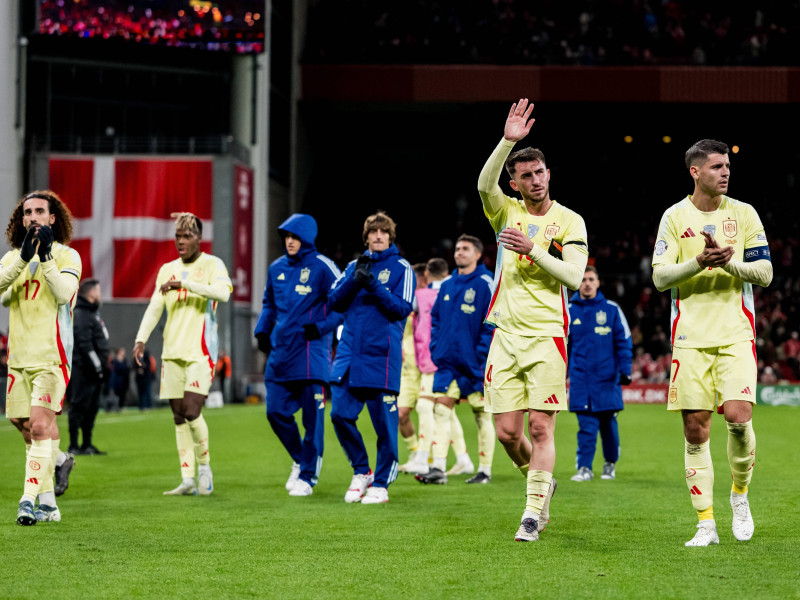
[494, 296]
[677, 317]
[750, 316]
[562, 348]
[64, 371]
[564, 311]
[206, 353]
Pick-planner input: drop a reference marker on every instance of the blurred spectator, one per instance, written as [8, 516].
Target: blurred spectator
[223, 372]
[144, 374]
[120, 381]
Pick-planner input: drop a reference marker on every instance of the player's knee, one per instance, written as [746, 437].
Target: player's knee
[540, 432]
[508, 436]
[178, 419]
[19, 424]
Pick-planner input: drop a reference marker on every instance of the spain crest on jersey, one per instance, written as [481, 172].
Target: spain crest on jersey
[304, 274]
[551, 231]
[469, 296]
[729, 228]
[383, 276]
[601, 317]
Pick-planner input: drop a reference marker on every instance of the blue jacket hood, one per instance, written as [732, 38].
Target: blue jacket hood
[304, 227]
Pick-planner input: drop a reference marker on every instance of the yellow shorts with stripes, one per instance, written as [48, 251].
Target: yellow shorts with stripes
[179, 376]
[36, 386]
[475, 399]
[413, 385]
[705, 378]
[524, 373]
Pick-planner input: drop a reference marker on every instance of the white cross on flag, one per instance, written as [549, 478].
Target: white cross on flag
[121, 207]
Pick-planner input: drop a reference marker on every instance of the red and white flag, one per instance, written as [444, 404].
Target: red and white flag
[122, 228]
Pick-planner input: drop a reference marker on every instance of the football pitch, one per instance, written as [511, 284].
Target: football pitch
[121, 538]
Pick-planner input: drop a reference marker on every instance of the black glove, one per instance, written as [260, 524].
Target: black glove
[555, 249]
[26, 251]
[263, 342]
[311, 331]
[45, 236]
[361, 274]
[624, 379]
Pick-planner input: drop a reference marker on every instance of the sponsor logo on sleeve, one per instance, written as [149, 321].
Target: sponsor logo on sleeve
[661, 247]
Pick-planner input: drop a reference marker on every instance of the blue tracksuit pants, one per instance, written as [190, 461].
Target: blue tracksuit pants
[347, 404]
[589, 424]
[284, 399]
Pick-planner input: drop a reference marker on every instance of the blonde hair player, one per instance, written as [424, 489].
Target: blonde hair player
[189, 288]
[709, 252]
[38, 281]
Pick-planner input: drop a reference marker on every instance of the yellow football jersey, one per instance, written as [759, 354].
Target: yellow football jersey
[40, 329]
[713, 308]
[527, 300]
[191, 329]
[408, 342]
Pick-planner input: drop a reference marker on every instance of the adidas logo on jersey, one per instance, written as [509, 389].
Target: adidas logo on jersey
[688, 233]
[746, 391]
[552, 400]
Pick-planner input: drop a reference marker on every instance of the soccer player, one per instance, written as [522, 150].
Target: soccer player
[460, 341]
[189, 288]
[375, 294]
[415, 393]
[709, 252]
[295, 324]
[600, 353]
[38, 282]
[527, 362]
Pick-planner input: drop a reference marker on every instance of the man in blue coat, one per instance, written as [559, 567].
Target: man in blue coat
[294, 329]
[375, 295]
[460, 341]
[599, 364]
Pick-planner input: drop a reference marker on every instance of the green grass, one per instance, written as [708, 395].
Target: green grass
[120, 538]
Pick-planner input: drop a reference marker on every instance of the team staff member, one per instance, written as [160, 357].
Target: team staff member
[460, 341]
[527, 363]
[375, 295]
[38, 282]
[189, 288]
[600, 352]
[295, 323]
[709, 252]
[90, 367]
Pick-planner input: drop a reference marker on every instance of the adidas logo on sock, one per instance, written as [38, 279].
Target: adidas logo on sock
[695, 491]
[688, 233]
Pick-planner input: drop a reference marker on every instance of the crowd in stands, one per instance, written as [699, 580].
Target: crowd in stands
[552, 32]
[237, 25]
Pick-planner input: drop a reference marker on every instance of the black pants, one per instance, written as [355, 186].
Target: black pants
[84, 403]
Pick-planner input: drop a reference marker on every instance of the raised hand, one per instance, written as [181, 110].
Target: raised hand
[712, 255]
[519, 122]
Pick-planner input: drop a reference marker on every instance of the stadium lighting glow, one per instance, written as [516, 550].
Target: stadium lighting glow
[628, 139]
[735, 149]
[666, 139]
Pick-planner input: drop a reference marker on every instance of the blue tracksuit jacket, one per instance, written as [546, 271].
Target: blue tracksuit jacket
[297, 293]
[460, 338]
[600, 349]
[370, 347]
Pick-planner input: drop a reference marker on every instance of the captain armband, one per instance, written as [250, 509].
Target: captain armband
[757, 253]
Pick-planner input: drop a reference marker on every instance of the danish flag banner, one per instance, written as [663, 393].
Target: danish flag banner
[122, 228]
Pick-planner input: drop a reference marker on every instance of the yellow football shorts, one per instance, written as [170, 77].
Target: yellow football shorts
[36, 386]
[413, 385]
[525, 373]
[705, 378]
[179, 376]
[476, 400]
